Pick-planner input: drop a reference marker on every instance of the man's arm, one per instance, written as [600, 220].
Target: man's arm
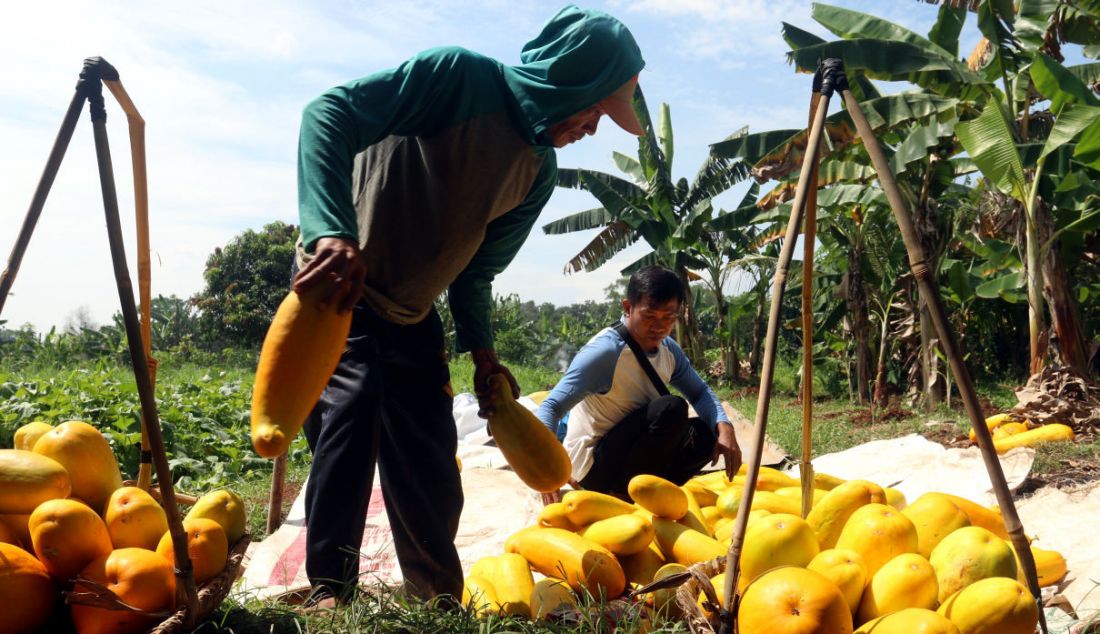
[691, 385]
[590, 372]
[347, 119]
[471, 294]
[706, 404]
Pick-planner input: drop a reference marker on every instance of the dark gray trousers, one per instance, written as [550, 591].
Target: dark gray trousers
[659, 439]
[389, 402]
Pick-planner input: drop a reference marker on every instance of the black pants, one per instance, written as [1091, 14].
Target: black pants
[657, 438]
[389, 402]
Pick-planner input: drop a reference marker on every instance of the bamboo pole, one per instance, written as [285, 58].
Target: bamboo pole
[929, 290]
[809, 234]
[275, 500]
[767, 374]
[136, 126]
[38, 201]
[96, 69]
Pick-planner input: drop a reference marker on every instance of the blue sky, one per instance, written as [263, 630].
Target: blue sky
[221, 84]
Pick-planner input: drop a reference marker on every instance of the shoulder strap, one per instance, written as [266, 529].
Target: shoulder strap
[643, 360]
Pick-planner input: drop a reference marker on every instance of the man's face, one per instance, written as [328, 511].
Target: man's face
[649, 322]
[575, 127]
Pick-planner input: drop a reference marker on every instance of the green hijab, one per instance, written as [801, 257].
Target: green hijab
[580, 57]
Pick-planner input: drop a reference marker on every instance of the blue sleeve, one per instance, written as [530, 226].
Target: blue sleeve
[698, 393]
[590, 372]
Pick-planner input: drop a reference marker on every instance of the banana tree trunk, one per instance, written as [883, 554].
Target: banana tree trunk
[930, 365]
[880, 372]
[727, 342]
[691, 341]
[1064, 315]
[861, 324]
[1035, 307]
[757, 331]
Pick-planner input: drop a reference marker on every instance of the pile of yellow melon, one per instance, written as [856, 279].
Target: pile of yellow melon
[1009, 433]
[65, 514]
[862, 560]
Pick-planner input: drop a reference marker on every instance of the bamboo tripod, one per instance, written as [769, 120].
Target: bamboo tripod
[830, 77]
[95, 73]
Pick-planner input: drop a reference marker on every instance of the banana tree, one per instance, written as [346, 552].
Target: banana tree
[671, 216]
[993, 143]
[1018, 48]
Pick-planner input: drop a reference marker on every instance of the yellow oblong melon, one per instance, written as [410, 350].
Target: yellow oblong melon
[909, 621]
[992, 606]
[622, 534]
[1052, 432]
[658, 496]
[906, 581]
[585, 507]
[580, 562]
[28, 434]
[87, 456]
[302, 347]
[879, 533]
[27, 479]
[549, 595]
[531, 449]
[968, 555]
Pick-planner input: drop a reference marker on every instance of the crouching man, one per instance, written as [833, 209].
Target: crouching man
[623, 421]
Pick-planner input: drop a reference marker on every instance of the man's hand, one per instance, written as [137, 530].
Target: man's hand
[727, 447]
[486, 365]
[337, 269]
[555, 496]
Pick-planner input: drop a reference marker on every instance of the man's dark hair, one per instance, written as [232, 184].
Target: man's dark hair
[655, 282]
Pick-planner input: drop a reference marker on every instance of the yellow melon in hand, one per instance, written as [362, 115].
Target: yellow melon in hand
[207, 547]
[85, 454]
[846, 569]
[968, 555]
[134, 519]
[224, 507]
[26, 591]
[793, 601]
[906, 581]
[66, 536]
[992, 606]
[879, 533]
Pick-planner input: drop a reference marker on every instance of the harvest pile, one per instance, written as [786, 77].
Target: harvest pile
[67, 522]
[1010, 431]
[862, 560]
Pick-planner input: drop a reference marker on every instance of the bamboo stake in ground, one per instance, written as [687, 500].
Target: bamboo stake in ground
[929, 290]
[767, 373]
[275, 501]
[809, 234]
[141, 217]
[94, 70]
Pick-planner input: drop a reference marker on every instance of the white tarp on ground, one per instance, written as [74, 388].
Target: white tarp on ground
[497, 504]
